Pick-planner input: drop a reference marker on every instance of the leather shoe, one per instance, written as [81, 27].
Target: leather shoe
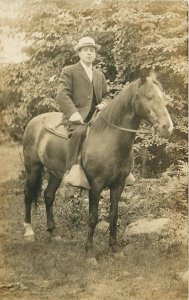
[130, 180]
[76, 177]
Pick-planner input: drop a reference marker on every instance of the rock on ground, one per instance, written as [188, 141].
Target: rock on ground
[147, 226]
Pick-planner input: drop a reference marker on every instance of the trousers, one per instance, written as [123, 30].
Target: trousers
[77, 133]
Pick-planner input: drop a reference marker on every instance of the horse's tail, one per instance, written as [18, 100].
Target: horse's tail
[33, 185]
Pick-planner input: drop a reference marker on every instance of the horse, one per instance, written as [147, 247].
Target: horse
[106, 155]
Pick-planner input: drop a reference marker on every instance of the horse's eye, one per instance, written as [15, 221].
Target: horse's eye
[149, 98]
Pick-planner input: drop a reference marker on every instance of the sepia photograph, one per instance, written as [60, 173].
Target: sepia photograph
[94, 149]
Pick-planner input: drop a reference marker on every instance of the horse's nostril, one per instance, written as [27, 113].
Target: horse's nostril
[166, 130]
[165, 126]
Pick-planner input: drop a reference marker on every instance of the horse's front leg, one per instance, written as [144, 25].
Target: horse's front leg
[115, 193]
[49, 194]
[94, 197]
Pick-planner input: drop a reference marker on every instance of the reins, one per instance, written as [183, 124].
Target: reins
[98, 113]
[95, 116]
[125, 129]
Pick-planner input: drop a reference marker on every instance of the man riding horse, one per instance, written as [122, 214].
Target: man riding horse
[82, 90]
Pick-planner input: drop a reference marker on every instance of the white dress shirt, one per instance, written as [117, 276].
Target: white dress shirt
[88, 70]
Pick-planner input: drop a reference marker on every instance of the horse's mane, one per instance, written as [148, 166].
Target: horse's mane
[115, 110]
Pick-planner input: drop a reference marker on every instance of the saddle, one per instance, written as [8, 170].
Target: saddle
[58, 126]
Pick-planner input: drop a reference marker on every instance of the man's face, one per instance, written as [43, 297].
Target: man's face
[87, 55]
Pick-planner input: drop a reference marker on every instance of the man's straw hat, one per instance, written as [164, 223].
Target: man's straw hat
[86, 42]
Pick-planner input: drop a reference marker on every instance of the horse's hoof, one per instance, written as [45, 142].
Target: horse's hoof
[29, 238]
[119, 255]
[53, 234]
[29, 233]
[92, 261]
[113, 249]
[56, 238]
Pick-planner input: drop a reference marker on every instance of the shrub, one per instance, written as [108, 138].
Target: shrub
[134, 35]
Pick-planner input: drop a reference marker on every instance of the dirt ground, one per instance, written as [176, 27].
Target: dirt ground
[144, 268]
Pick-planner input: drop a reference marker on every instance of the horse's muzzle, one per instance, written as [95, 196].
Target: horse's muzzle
[165, 130]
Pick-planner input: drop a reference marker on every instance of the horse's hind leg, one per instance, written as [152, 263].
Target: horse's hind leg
[94, 197]
[32, 188]
[49, 195]
[115, 193]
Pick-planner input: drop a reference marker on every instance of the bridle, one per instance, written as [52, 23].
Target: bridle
[97, 113]
[123, 128]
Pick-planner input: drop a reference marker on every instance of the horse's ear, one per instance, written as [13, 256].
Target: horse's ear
[144, 73]
[153, 75]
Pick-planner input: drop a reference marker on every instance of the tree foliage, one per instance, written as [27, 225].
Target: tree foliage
[134, 35]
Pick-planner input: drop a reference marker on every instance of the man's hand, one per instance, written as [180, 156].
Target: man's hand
[100, 106]
[76, 118]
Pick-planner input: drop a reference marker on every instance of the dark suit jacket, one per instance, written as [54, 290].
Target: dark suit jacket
[75, 90]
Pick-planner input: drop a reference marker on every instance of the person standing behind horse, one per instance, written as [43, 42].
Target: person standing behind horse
[82, 89]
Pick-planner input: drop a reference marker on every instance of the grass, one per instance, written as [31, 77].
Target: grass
[144, 269]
